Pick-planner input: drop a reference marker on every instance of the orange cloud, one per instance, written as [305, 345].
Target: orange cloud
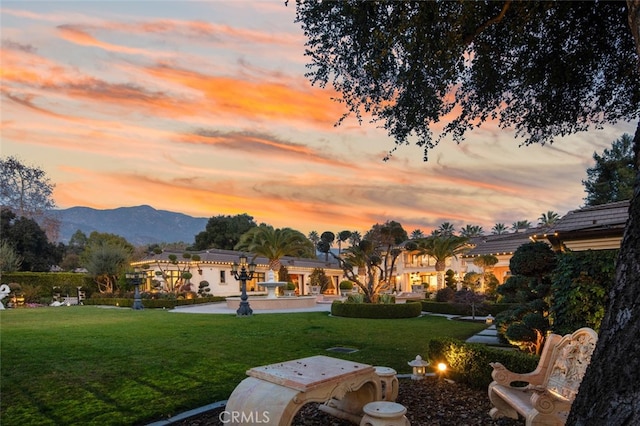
[77, 36]
[251, 99]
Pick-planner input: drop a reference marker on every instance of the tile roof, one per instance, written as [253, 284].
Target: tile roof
[499, 244]
[605, 216]
[230, 256]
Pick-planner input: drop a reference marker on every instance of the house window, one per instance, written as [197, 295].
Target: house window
[223, 277]
[252, 285]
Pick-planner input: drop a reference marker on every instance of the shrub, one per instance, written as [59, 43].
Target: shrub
[203, 288]
[346, 285]
[319, 278]
[386, 298]
[355, 298]
[533, 260]
[580, 288]
[469, 362]
[376, 310]
[445, 294]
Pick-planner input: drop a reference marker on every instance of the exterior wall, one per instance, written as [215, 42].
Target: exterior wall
[220, 277]
[415, 269]
[599, 244]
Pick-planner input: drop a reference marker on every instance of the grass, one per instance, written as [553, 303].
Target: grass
[95, 366]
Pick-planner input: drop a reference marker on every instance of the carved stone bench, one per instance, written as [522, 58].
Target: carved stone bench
[544, 396]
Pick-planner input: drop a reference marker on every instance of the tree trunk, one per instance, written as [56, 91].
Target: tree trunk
[610, 391]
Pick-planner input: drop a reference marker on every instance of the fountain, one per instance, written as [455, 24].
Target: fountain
[271, 301]
[271, 284]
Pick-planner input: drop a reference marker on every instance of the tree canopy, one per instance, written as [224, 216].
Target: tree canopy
[611, 178]
[29, 242]
[223, 232]
[544, 68]
[26, 190]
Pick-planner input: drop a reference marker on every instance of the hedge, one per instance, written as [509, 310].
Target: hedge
[48, 280]
[461, 310]
[376, 310]
[469, 362]
[38, 287]
[153, 303]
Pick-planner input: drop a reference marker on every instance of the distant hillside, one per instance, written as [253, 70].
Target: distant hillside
[139, 225]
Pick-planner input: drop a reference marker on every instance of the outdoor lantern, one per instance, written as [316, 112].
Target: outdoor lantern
[240, 273]
[442, 367]
[419, 368]
[489, 319]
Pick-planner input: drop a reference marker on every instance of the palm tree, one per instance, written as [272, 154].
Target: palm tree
[470, 231]
[416, 234]
[355, 238]
[444, 230]
[441, 248]
[314, 237]
[342, 237]
[499, 229]
[521, 224]
[326, 241]
[274, 244]
[547, 219]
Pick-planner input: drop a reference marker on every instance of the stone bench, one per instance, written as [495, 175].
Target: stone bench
[544, 396]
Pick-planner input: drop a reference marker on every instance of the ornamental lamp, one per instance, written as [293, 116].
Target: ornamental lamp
[419, 368]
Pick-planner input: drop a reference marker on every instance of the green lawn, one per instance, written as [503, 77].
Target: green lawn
[91, 365]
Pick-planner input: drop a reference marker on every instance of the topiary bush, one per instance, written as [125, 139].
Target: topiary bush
[469, 362]
[376, 310]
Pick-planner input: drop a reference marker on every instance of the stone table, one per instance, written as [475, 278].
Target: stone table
[273, 394]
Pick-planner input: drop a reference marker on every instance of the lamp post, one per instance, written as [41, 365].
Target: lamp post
[244, 310]
[136, 278]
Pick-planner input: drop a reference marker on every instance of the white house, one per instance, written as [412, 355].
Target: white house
[214, 268]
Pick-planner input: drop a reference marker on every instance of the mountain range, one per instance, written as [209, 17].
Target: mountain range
[139, 225]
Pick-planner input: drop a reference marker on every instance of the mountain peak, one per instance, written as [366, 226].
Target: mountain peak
[140, 225]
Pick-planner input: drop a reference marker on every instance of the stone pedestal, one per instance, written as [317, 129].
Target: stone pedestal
[384, 413]
[388, 383]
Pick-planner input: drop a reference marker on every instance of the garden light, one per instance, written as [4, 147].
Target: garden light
[419, 368]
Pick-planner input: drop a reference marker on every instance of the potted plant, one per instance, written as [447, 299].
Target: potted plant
[346, 287]
[289, 289]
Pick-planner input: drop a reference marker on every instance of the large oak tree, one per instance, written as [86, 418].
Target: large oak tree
[546, 69]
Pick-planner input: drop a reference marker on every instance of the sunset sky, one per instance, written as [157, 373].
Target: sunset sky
[203, 108]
